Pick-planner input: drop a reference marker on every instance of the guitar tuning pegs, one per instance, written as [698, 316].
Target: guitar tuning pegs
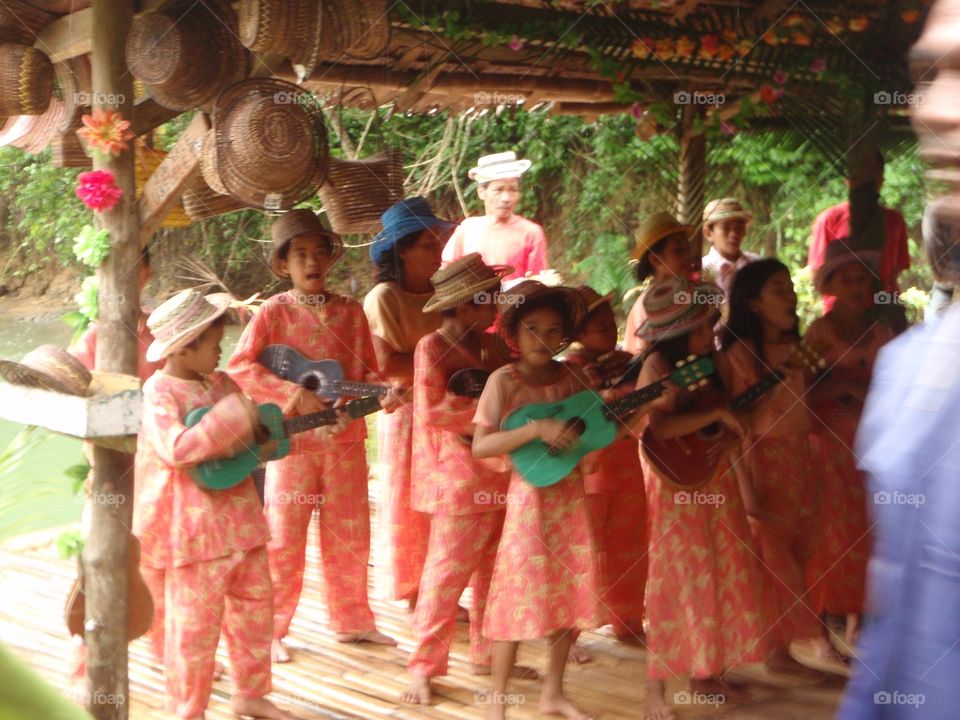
[691, 358]
[678, 364]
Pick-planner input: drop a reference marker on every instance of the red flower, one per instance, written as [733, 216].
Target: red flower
[818, 65]
[98, 190]
[780, 76]
[107, 131]
[769, 94]
[910, 16]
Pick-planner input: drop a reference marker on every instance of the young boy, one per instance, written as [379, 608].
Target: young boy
[501, 236]
[326, 468]
[465, 498]
[724, 227]
[212, 543]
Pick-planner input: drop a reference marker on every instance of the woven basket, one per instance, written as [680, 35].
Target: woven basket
[66, 151]
[356, 28]
[290, 28]
[208, 163]
[200, 202]
[357, 192]
[75, 87]
[26, 80]
[163, 48]
[271, 152]
[43, 128]
[20, 22]
[60, 6]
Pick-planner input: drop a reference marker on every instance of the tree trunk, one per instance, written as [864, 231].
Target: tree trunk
[691, 193]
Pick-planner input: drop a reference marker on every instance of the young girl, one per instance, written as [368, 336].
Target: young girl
[781, 480]
[662, 252]
[704, 612]
[836, 573]
[545, 571]
[613, 481]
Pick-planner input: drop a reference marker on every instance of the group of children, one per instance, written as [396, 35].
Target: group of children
[709, 578]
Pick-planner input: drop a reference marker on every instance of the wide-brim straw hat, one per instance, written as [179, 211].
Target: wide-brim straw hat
[676, 306]
[592, 298]
[48, 368]
[181, 320]
[655, 228]
[463, 280]
[412, 215]
[291, 28]
[498, 166]
[26, 80]
[528, 291]
[295, 223]
[271, 152]
[725, 209]
[163, 47]
[840, 252]
[359, 29]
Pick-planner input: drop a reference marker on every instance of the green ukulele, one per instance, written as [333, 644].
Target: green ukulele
[593, 418]
[228, 472]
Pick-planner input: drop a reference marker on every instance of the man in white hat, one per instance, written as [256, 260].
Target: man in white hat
[501, 236]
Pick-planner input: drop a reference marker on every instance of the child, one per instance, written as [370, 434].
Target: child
[703, 608]
[326, 469]
[836, 573]
[780, 479]
[464, 497]
[613, 480]
[724, 227]
[662, 252]
[212, 543]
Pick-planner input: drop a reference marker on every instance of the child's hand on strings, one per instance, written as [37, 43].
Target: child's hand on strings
[668, 399]
[393, 399]
[557, 435]
[343, 419]
[305, 402]
[733, 423]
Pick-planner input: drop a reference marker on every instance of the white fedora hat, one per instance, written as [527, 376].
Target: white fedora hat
[498, 166]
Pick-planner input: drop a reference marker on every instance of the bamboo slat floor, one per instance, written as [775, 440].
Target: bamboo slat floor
[331, 680]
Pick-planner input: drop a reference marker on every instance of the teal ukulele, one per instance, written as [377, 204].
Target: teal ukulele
[593, 418]
[228, 472]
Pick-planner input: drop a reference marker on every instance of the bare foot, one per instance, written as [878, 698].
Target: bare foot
[370, 636]
[825, 650]
[655, 705]
[779, 660]
[278, 652]
[579, 656]
[417, 691]
[258, 708]
[559, 705]
[218, 670]
[521, 672]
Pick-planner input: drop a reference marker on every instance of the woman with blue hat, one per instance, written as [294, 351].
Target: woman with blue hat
[406, 254]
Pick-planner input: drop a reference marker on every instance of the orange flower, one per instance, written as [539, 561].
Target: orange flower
[836, 25]
[801, 38]
[107, 131]
[910, 16]
[859, 24]
[664, 49]
[725, 52]
[642, 48]
[685, 47]
[770, 38]
[744, 47]
[709, 45]
[794, 19]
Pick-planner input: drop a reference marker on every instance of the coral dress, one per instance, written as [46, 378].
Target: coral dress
[836, 573]
[704, 606]
[545, 574]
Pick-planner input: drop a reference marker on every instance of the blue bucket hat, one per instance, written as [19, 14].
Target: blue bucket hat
[403, 218]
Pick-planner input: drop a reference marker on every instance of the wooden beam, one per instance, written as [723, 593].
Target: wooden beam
[67, 36]
[148, 115]
[691, 190]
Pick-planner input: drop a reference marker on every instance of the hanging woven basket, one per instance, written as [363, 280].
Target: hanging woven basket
[26, 80]
[20, 22]
[75, 88]
[290, 28]
[357, 192]
[201, 202]
[67, 151]
[357, 28]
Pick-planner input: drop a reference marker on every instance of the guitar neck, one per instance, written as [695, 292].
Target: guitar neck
[632, 401]
[754, 392]
[354, 408]
[359, 389]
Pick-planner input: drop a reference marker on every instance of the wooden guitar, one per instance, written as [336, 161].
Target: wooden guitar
[691, 460]
[140, 602]
[228, 472]
[324, 377]
[593, 418]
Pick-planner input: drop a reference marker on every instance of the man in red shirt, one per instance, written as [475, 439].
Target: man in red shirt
[834, 224]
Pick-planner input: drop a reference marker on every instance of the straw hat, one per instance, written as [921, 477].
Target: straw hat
[181, 320]
[462, 279]
[291, 28]
[528, 291]
[840, 252]
[163, 47]
[676, 306]
[654, 229]
[300, 222]
[499, 166]
[725, 209]
[408, 216]
[48, 368]
[270, 153]
[26, 80]
[359, 29]
[20, 21]
[592, 298]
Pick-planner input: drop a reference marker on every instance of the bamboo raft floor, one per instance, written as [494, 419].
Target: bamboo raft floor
[331, 680]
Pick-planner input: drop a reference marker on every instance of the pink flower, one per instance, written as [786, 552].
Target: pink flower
[637, 110]
[818, 65]
[516, 43]
[98, 190]
[780, 77]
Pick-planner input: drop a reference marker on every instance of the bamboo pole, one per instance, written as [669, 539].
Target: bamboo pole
[691, 190]
[106, 551]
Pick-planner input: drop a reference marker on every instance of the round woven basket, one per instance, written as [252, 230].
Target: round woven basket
[26, 80]
[201, 202]
[356, 28]
[271, 149]
[163, 48]
[75, 88]
[43, 128]
[357, 192]
[208, 163]
[20, 22]
[287, 27]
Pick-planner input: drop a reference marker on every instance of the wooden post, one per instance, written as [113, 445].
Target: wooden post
[691, 193]
[106, 552]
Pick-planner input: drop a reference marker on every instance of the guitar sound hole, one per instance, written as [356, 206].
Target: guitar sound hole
[712, 430]
[310, 382]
